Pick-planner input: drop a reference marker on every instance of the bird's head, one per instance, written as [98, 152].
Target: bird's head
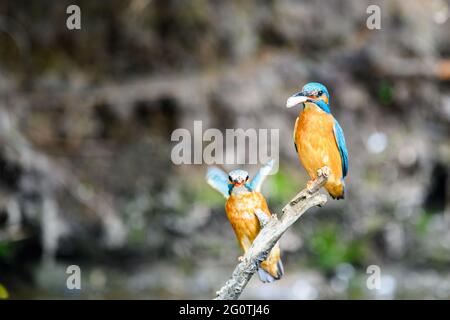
[238, 177]
[313, 92]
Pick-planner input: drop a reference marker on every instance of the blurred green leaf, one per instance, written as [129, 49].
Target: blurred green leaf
[5, 250]
[283, 185]
[331, 248]
[3, 292]
[422, 223]
[208, 196]
[385, 93]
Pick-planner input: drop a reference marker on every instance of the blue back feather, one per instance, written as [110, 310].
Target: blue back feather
[340, 140]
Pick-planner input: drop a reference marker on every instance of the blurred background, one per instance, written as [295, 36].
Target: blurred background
[86, 117]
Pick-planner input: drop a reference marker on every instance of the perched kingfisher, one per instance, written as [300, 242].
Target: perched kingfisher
[318, 137]
[243, 199]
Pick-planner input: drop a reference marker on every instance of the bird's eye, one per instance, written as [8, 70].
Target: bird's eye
[246, 178]
[229, 178]
[319, 93]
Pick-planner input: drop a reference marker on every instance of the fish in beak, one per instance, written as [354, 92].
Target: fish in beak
[296, 99]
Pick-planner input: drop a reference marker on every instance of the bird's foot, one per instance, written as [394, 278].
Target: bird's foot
[324, 172]
[310, 185]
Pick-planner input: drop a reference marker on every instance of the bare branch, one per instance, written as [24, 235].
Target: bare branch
[262, 217]
[270, 233]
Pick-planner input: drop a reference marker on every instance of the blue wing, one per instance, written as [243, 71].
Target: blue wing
[340, 140]
[218, 179]
[261, 175]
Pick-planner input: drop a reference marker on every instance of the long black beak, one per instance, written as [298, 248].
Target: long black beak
[296, 99]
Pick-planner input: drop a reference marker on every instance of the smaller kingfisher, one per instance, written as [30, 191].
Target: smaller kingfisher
[243, 199]
[318, 137]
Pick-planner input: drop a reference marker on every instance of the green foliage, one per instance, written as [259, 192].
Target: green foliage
[194, 189]
[373, 178]
[330, 248]
[356, 287]
[422, 222]
[5, 250]
[207, 195]
[3, 292]
[137, 236]
[385, 93]
[283, 185]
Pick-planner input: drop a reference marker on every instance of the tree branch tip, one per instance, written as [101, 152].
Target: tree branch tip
[324, 172]
[262, 217]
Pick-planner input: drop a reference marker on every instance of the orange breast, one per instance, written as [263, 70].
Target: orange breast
[317, 147]
[240, 212]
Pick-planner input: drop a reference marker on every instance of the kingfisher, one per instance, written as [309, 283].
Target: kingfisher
[318, 138]
[243, 200]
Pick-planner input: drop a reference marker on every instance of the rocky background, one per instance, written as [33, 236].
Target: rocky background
[86, 117]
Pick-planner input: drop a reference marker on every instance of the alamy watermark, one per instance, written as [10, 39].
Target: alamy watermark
[73, 21]
[373, 281]
[73, 281]
[373, 21]
[232, 147]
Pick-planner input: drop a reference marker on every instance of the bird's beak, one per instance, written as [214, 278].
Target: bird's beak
[296, 99]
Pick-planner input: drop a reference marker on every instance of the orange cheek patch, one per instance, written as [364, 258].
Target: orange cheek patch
[323, 97]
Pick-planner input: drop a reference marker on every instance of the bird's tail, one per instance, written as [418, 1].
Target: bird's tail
[272, 268]
[336, 190]
[267, 276]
